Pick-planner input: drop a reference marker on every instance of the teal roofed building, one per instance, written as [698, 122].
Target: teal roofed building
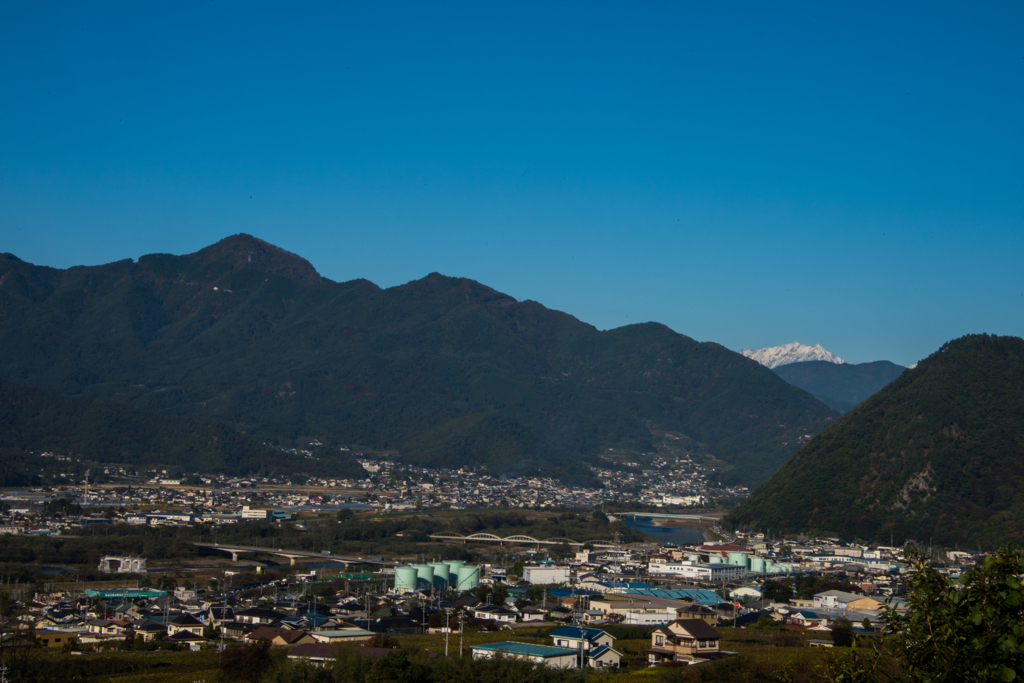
[554, 657]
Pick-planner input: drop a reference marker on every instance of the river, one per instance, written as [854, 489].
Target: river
[664, 534]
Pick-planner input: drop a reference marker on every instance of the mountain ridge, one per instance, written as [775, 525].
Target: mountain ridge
[438, 369]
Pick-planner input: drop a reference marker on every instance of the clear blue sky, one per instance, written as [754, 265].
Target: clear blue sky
[747, 173]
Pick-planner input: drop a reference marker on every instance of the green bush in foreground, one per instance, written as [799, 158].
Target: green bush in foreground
[966, 630]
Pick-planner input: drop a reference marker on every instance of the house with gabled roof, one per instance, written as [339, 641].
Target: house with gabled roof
[603, 657]
[193, 641]
[695, 611]
[280, 636]
[581, 637]
[684, 640]
[257, 615]
[495, 612]
[185, 622]
[114, 627]
[147, 629]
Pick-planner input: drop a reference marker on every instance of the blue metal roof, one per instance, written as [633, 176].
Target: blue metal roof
[590, 634]
[701, 597]
[526, 649]
[569, 592]
[600, 650]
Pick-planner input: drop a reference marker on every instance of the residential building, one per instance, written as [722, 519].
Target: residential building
[684, 640]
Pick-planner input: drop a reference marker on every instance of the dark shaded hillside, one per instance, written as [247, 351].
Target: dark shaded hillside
[36, 420]
[446, 370]
[840, 386]
[939, 453]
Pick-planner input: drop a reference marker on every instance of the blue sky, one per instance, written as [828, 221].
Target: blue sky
[746, 173]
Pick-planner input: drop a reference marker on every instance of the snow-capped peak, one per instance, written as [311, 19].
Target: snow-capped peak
[794, 352]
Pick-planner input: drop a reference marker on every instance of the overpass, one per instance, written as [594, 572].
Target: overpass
[292, 555]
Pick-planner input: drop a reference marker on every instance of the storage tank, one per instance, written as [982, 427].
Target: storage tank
[469, 578]
[405, 578]
[693, 558]
[424, 577]
[769, 566]
[757, 564]
[453, 570]
[738, 558]
[440, 575]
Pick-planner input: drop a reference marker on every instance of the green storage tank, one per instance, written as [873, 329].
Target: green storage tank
[424, 577]
[405, 579]
[440, 575]
[469, 578]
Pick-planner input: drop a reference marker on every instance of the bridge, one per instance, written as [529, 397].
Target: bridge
[666, 515]
[292, 555]
[517, 540]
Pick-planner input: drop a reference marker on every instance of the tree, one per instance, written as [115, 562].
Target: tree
[971, 629]
[382, 640]
[776, 591]
[246, 662]
[842, 632]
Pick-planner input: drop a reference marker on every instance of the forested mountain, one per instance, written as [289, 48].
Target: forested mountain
[840, 386]
[35, 420]
[938, 454]
[445, 370]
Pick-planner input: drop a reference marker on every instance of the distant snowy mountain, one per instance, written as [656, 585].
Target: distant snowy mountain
[794, 352]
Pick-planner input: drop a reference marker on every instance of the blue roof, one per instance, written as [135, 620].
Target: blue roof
[568, 592]
[600, 650]
[317, 619]
[526, 649]
[627, 584]
[574, 632]
[701, 597]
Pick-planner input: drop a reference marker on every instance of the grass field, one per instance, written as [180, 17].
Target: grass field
[759, 659]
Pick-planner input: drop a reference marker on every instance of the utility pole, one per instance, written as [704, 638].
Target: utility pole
[447, 629]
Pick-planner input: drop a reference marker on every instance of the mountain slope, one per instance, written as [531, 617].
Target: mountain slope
[445, 370]
[840, 386]
[36, 420]
[794, 352]
[938, 454]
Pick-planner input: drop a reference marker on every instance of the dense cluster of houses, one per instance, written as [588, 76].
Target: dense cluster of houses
[191, 618]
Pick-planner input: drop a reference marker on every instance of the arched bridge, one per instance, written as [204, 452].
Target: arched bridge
[292, 555]
[516, 540]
